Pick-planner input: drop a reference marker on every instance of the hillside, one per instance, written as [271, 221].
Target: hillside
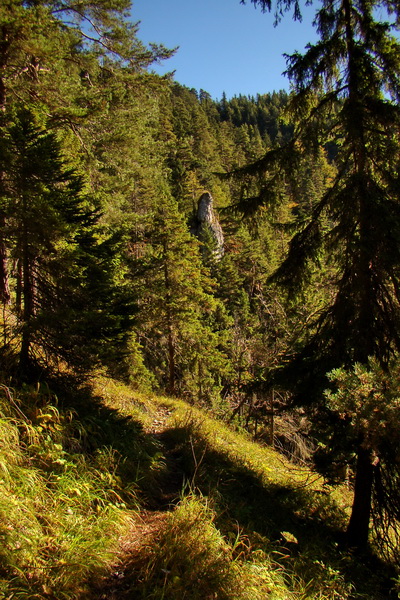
[235, 263]
[108, 493]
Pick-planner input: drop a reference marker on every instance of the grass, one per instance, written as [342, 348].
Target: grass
[82, 468]
[61, 512]
[285, 513]
[191, 559]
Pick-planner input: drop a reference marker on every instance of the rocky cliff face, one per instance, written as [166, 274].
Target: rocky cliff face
[208, 228]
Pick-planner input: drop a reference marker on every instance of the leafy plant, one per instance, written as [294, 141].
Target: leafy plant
[367, 399]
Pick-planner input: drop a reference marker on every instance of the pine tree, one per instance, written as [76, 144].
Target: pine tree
[347, 90]
[55, 57]
[64, 298]
[176, 320]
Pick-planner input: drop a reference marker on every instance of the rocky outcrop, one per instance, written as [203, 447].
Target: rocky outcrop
[208, 228]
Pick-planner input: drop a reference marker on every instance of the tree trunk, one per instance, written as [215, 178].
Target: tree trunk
[24, 359]
[358, 528]
[171, 360]
[4, 287]
[18, 289]
[170, 330]
[5, 45]
[28, 299]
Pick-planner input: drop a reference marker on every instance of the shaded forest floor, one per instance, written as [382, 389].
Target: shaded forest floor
[148, 498]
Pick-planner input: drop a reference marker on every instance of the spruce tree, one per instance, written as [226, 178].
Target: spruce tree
[347, 90]
[64, 298]
[59, 58]
[177, 322]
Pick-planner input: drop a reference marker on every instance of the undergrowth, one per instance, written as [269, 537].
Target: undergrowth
[78, 471]
[62, 509]
[191, 559]
[289, 522]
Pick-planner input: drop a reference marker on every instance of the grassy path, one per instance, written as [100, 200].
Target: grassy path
[225, 518]
[147, 526]
[107, 494]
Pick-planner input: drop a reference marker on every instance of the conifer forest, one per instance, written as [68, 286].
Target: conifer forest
[236, 256]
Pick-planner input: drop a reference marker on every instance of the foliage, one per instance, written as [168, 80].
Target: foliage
[65, 303]
[68, 495]
[178, 321]
[192, 557]
[244, 512]
[102, 164]
[367, 399]
[346, 90]
[111, 148]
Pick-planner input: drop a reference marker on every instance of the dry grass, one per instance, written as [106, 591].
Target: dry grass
[60, 515]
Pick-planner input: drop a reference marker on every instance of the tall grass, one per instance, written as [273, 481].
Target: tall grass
[288, 516]
[189, 558]
[61, 513]
[248, 525]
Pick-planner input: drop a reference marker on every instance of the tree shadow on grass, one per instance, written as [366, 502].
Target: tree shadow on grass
[143, 463]
[301, 527]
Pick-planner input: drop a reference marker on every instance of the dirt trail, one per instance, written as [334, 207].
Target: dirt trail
[145, 528]
[171, 479]
[123, 577]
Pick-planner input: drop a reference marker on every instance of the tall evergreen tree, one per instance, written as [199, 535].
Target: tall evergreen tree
[63, 59]
[347, 88]
[65, 301]
[178, 319]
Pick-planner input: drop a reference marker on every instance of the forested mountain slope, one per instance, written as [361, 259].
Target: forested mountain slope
[241, 254]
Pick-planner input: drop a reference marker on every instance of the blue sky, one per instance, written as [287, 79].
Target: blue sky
[224, 46]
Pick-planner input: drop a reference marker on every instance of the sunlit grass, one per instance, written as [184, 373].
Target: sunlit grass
[247, 525]
[60, 516]
[283, 514]
[190, 558]
[116, 395]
